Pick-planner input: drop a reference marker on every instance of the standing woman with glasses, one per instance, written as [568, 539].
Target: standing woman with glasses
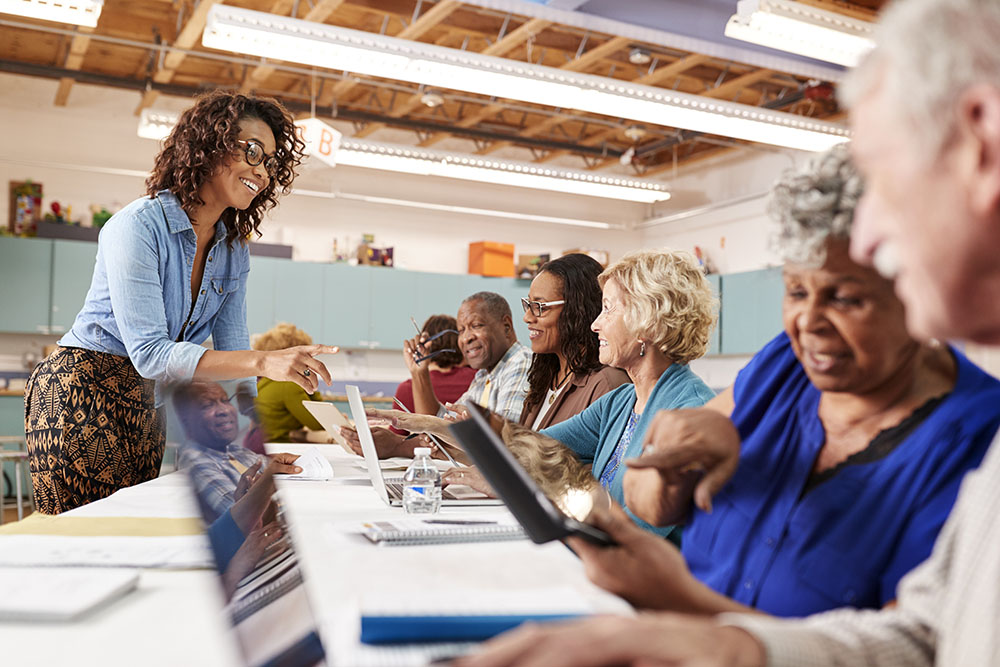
[171, 272]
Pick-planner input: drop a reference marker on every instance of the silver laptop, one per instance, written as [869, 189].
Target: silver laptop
[390, 490]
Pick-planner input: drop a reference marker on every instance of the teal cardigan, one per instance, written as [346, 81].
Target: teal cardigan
[594, 433]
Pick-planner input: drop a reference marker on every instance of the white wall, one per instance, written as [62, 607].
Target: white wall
[733, 227]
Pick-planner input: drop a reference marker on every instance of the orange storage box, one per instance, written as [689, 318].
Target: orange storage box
[488, 258]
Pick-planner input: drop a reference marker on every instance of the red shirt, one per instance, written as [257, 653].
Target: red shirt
[448, 385]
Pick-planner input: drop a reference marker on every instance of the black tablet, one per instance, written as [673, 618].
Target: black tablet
[541, 519]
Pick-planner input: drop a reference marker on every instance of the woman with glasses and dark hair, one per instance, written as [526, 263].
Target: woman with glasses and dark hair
[171, 272]
[449, 376]
[566, 373]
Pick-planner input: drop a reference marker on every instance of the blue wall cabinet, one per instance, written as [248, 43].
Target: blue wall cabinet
[751, 315]
[714, 341]
[260, 293]
[299, 296]
[393, 297]
[26, 286]
[72, 272]
[345, 309]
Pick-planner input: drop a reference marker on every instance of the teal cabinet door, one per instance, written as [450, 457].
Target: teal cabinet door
[72, 272]
[299, 296]
[714, 341]
[260, 293]
[393, 297]
[25, 285]
[346, 306]
[751, 313]
[442, 294]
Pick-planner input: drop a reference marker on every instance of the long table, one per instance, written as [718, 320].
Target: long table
[175, 616]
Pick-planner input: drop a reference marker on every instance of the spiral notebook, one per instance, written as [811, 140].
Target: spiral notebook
[409, 532]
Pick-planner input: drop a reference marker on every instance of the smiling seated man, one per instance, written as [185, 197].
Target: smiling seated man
[211, 425]
[487, 339]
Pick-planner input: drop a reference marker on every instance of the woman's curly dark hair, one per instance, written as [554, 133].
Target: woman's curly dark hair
[206, 136]
[582, 293]
[435, 324]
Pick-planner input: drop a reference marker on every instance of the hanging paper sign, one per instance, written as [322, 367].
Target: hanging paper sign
[322, 141]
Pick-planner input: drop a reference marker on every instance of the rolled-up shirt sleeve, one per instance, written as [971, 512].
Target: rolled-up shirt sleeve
[134, 284]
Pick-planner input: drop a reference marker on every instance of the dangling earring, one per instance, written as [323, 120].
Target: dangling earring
[642, 348]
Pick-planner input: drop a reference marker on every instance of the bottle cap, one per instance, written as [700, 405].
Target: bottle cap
[421, 451]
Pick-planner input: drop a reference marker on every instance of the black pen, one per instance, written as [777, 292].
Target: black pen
[459, 522]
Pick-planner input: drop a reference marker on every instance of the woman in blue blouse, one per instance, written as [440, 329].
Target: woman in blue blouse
[656, 316]
[171, 272]
[854, 438]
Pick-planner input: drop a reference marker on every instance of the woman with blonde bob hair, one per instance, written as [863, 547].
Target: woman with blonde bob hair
[279, 404]
[657, 311]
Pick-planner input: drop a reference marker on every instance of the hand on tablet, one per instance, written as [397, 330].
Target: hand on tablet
[643, 568]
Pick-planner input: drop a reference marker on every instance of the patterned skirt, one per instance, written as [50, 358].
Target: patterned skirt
[91, 427]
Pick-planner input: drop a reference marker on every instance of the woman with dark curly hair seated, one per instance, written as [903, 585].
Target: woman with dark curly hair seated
[171, 272]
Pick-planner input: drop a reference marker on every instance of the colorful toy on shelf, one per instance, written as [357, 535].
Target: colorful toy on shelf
[59, 214]
[25, 207]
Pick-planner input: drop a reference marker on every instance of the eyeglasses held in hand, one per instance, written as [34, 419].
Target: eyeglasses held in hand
[255, 154]
[538, 307]
[433, 354]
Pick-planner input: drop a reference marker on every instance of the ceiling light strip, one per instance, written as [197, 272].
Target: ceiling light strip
[321, 45]
[802, 29]
[407, 159]
[77, 12]
[156, 124]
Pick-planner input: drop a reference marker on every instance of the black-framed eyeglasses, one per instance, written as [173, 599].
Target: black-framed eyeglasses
[254, 153]
[537, 308]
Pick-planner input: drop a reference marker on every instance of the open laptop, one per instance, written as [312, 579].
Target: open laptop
[541, 519]
[390, 490]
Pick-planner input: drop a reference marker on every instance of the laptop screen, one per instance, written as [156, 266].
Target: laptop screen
[219, 447]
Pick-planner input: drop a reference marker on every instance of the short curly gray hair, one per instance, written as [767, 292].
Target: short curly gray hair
[813, 204]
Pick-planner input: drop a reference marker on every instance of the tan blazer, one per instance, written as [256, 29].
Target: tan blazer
[574, 399]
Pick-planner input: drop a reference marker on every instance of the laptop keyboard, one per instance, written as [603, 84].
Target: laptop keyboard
[395, 487]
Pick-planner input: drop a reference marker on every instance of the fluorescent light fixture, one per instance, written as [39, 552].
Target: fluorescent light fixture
[78, 12]
[412, 160]
[797, 28]
[426, 162]
[331, 47]
[155, 124]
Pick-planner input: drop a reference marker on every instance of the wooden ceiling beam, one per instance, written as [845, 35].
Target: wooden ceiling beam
[414, 102]
[516, 38]
[605, 50]
[74, 60]
[187, 38]
[733, 87]
[429, 19]
[674, 69]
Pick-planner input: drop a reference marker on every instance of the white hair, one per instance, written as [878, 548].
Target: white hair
[928, 53]
[813, 204]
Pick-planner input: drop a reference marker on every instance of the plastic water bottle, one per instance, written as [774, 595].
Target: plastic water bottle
[422, 484]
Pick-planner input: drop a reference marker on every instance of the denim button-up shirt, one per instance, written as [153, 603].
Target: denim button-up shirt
[139, 303]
